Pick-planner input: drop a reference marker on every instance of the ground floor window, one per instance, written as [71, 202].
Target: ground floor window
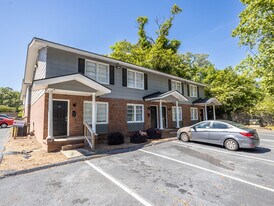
[174, 113]
[102, 112]
[135, 113]
[193, 113]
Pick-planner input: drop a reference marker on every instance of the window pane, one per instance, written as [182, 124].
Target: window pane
[178, 86]
[101, 112]
[203, 125]
[88, 112]
[91, 70]
[217, 125]
[103, 73]
[139, 113]
[131, 79]
[130, 113]
[173, 85]
[139, 80]
[173, 114]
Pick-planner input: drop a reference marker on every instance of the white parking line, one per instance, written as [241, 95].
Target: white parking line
[266, 140]
[136, 196]
[225, 152]
[208, 170]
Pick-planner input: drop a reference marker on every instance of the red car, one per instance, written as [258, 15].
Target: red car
[5, 122]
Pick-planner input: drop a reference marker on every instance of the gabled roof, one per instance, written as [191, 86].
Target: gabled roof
[207, 101]
[166, 96]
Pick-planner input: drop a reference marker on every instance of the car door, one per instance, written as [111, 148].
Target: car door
[217, 132]
[199, 132]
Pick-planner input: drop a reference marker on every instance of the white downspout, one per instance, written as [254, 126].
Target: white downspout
[161, 115]
[94, 113]
[205, 112]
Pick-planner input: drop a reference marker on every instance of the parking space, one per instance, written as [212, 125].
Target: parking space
[170, 173]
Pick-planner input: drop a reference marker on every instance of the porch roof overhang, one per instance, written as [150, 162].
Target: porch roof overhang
[207, 101]
[170, 96]
[72, 84]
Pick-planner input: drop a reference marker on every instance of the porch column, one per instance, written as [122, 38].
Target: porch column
[205, 112]
[94, 113]
[161, 115]
[177, 115]
[214, 114]
[50, 115]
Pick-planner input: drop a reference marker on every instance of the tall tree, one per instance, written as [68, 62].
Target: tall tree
[9, 97]
[256, 32]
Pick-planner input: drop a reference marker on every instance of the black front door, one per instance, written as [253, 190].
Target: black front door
[60, 114]
[153, 110]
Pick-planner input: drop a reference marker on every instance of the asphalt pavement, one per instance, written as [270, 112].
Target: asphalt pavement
[170, 173]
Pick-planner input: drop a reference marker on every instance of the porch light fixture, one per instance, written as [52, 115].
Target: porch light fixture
[118, 66]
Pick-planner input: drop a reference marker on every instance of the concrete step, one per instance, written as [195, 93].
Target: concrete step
[72, 146]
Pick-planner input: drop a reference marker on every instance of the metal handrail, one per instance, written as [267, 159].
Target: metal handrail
[89, 135]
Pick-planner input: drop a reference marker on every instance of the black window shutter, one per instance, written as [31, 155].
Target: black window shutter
[124, 76]
[188, 90]
[111, 74]
[198, 95]
[146, 84]
[182, 83]
[169, 84]
[81, 66]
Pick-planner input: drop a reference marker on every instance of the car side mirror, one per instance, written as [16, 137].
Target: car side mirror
[194, 128]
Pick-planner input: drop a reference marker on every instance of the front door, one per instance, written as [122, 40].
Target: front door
[153, 117]
[164, 117]
[60, 114]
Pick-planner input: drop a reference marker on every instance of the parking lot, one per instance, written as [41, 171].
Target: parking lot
[170, 173]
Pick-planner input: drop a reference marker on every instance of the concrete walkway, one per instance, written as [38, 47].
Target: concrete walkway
[4, 134]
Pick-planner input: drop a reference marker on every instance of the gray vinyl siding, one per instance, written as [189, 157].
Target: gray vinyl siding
[61, 63]
[132, 127]
[102, 128]
[174, 124]
[40, 72]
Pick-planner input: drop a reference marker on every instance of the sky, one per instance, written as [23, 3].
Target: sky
[204, 26]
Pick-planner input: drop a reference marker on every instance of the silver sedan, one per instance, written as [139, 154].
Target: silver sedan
[229, 134]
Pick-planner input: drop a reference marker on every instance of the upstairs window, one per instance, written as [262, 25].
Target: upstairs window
[97, 71]
[175, 85]
[135, 79]
[193, 91]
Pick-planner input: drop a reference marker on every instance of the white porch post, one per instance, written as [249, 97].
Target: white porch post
[50, 115]
[205, 112]
[161, 115]
[214, 114]
[94, 113]
[177, 115]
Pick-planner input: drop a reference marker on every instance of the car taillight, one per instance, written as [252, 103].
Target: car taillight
[246, 134]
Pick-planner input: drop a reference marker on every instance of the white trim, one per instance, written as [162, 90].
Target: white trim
[179, 113]
[174, 93]
[68, 113]
[97, 70]
[70, 92]
[166, 117]
[157, 118]
[196, 109]
[143, 113]
[107, 113]
[43, 83]
[190, 93]
[134, 71]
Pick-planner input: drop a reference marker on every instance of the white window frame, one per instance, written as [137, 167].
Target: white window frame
[191, 93]
[136, 72]
[176, 82]
[192, 111]
[107, 114]
[180, 116]
[97, 70]
[134, 110]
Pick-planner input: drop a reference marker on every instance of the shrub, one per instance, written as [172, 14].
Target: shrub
[154, 133]
[139, 137]
[4, 108]
[115, 138]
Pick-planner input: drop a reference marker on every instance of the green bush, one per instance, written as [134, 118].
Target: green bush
[4, 108]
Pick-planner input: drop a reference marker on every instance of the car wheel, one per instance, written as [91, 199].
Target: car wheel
[231, 144]
[4, 125]
[184, 137]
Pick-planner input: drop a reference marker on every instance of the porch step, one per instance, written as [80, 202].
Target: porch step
[72, 146]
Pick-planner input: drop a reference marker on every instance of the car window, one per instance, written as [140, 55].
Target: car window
[1, 118]
[203, 125]
[217, 125]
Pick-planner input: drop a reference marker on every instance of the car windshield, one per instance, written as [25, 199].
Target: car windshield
[236, 124]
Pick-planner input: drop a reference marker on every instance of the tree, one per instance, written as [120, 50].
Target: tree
[256, 32]
[10, 98]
